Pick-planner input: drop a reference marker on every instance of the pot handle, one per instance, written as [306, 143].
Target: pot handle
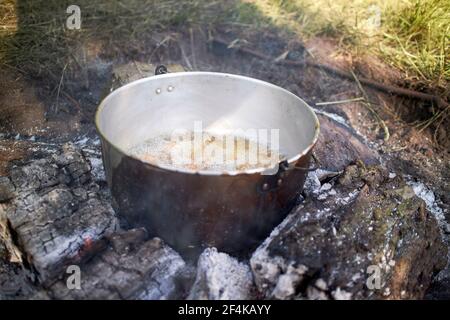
[285, 166]
[161, 69]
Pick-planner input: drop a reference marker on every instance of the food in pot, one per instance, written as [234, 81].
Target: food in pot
[207, 152]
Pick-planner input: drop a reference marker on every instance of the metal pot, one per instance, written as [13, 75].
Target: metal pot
[190, 210]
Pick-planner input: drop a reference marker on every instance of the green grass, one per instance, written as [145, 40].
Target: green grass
[417, 40]
[34, 40]
[412, 35]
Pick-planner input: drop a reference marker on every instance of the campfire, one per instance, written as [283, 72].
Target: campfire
[253, 166]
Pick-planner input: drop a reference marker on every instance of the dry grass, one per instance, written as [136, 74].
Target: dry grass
[411, 35]
[34, 40]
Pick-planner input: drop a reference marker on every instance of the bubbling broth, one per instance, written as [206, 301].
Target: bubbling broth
[207, 152]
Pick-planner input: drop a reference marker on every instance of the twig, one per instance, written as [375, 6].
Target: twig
[138, 69]
[194, 59]
[74, 102]
[185, 58]
[437, 128]
[59, 88]
[339, 101]
[428, 122]
[370, 83]
[369, 106]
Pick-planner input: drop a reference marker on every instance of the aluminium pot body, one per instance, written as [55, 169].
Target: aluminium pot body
[190, 210]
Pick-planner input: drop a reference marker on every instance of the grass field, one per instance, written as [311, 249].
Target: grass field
[410, 35]
[413, 36]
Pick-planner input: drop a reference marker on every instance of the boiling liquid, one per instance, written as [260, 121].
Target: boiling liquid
[208, 152]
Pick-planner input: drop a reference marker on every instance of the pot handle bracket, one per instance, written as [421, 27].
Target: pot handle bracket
[285, 166]
[274, 182]
[161, 69]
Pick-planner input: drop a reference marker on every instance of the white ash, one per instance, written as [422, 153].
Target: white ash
[275, 276]
[221, 277]
[94, 158]
[325, 187]
[82, 141]
[68, 245]
[97, 170]
[356, 277]
[340, 294]
[313, 293]
[325, 191]
[351, 196]
[162, 284]
[85, 141]
[333, 116]
[312, 184]
[321, 284]
[323, 174]
[428, 196]
[266, 269]
[288, 281]
[322, 196]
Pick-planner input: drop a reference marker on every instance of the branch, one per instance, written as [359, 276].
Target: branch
[343, 74]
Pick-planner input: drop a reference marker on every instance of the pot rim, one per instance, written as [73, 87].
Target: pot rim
[290, 161]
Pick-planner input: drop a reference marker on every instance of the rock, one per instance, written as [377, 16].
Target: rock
[339, 145]
[365, 233]
[221, 277]
[145, 269]
[58, 214]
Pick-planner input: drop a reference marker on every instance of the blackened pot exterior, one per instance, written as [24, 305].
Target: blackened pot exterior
[193, 211]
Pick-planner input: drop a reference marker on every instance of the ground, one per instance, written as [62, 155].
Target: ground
[52, 78]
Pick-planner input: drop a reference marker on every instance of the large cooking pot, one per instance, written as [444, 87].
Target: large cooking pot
[190, 210]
